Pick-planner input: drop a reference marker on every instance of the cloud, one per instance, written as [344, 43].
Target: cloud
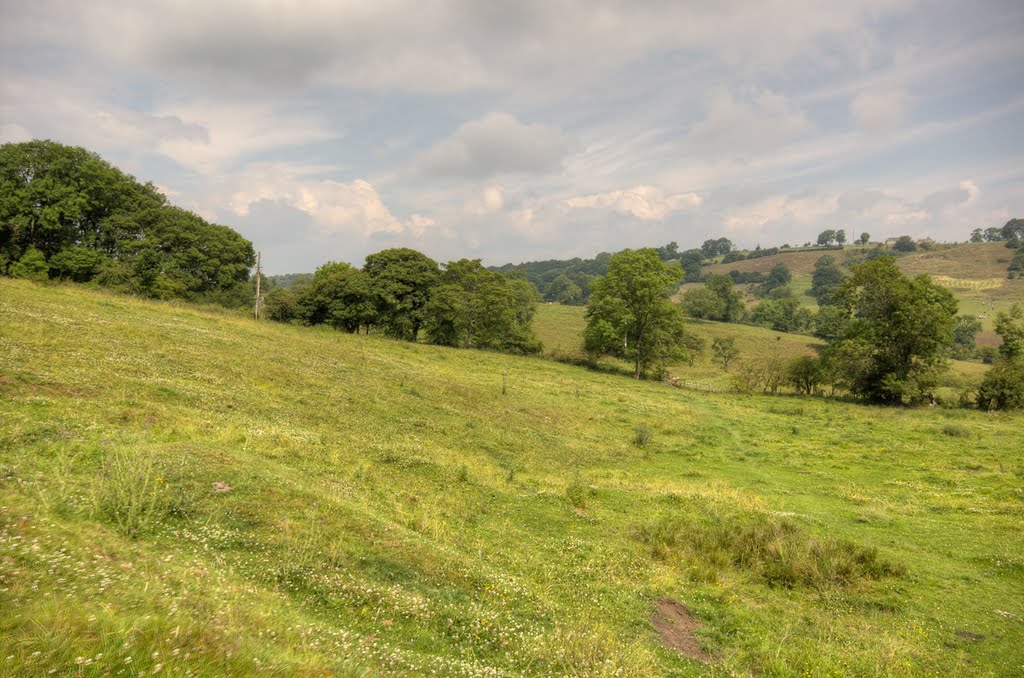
[496, 144]
[336, 207]
[643, 202]
[783, 210]
[234, 131]
[492, 199]
[880, 110]
[766, 121]
[12, 133]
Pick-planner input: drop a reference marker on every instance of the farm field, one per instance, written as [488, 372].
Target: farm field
[189, 492]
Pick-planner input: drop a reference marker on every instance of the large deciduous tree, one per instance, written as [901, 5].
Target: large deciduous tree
[900, 330]
[630, 314]
[402, 280]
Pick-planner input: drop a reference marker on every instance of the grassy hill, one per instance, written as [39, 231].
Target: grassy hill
[188, 492]
[974, 272]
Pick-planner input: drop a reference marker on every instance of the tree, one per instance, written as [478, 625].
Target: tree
[967, 326]
[630, 314]
[900, 329]
[31, 266]
[778, 277]
[830, 322]
[826, 237]
[841, 237]
[805, 374]
[724, 351]
[1003, 385]
[472, 307]
[993, 234]
[784, 314]
[694, 346]
[905, 244]
[703, 304]
[732, 301]
[1010, 326]
[864, 238]
[977, 235]
[401, 280]
[340, 296]
[1013, 229]
[1016, 268]
[825, 280]
[691, 260]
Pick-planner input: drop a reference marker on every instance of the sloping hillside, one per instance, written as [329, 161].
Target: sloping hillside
[192, 493]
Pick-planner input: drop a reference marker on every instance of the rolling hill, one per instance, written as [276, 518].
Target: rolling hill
[189, 492]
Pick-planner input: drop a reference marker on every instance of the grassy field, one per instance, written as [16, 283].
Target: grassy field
[974, 272]
[188, 492]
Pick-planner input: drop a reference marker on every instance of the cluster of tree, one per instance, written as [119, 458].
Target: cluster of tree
[838, 237]
[66, 213]
[405, 294]
[563, 281]
[1012, 231]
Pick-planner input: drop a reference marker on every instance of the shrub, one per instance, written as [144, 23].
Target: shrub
[779, 552]
[32, 266]
[956, 431]
[642, 435]
[1003, 386]
[576, 492]
[135, 492]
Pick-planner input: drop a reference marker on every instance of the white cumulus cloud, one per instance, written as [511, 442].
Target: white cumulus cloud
[643, 202]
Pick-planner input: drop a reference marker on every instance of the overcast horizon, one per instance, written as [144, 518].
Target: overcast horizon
[536, 130]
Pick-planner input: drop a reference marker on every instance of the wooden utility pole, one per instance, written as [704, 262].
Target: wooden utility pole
[259, 274]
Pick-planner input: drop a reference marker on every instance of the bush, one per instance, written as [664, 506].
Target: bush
[31, 266]
[956, 431]
[135, 492]
[1003, 386]
[779, 552]
[642, 435]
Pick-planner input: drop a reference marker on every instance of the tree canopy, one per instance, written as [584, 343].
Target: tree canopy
[630, 314]
[898, 333]
[91, 222]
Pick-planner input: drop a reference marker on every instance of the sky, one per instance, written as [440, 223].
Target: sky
[536, 129]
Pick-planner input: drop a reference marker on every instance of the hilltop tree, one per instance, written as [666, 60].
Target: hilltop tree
[905, 244]
[401, 280]
[977, 235]
[1013, 229]
[826, 237]
[841, 237]
[864, 238]
[630, 314]
[898, 333]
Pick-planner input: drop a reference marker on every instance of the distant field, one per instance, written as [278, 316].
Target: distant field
[559, 328]
[188, 492]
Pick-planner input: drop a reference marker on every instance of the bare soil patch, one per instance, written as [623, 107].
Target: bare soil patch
[675, 626]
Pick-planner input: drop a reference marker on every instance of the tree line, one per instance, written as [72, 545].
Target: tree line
[889, 336]
[67, 214]
[404, 294]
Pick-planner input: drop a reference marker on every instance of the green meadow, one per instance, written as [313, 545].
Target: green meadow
[188, 492]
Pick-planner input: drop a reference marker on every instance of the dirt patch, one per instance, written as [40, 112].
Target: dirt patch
[675, 626]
